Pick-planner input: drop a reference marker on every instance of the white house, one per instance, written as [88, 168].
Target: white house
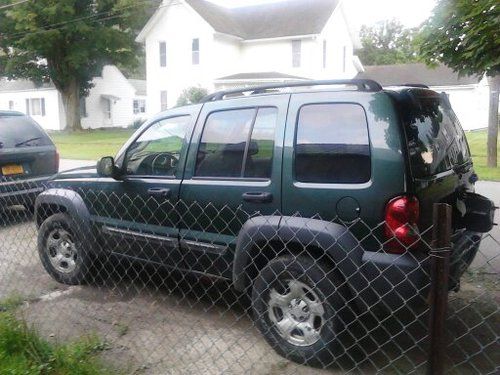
[114, 101]
[198, 43]
[469, 96]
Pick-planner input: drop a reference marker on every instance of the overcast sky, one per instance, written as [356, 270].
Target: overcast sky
[409, 12]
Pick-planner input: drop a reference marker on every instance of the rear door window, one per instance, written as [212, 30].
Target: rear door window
[332, 144]
[436, 141]
[237, 144]
[21, 131]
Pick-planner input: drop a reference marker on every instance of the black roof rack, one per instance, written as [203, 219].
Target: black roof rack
[366, 85]
[421, 85]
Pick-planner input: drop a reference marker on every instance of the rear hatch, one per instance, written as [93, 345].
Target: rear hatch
[439, 159]
[26, 151]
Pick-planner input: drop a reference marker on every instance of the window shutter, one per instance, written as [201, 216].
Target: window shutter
[43, 106]
[324, 54]
[27, 107]
[296, 53]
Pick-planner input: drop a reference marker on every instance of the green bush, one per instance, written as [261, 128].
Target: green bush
[191, 95]
[136, 124]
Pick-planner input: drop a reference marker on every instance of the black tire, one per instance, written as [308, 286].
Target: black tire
[81, 262]
[325, 285]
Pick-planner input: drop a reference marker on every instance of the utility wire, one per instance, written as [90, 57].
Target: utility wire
[56, 26]
[14, 4]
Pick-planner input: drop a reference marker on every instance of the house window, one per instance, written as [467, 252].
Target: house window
[324, 54]
[139, 106]
[83, 107]
[163, 54]
[195, 48]
[11, 105]
[35, 106]
[163, 100]
[296, 53]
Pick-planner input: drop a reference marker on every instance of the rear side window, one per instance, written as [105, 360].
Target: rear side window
[436, 141]
[21, 131]
[237, 143]
[332, 144]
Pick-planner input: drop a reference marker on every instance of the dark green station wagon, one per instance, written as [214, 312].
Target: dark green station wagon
[311, 197]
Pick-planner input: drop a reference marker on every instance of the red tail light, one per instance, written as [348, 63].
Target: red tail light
[56, 161]
[401, 219]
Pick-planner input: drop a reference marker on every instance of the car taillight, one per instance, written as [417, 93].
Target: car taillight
[56, 161]
[401, 219]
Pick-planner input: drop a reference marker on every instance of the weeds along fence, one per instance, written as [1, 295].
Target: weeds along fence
[196, 287]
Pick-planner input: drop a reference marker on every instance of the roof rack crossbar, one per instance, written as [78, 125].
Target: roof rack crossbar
[367, 85]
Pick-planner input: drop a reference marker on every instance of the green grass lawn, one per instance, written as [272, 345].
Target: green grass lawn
[477, 144]
[23, 351]
[94, 144]
[90, 145]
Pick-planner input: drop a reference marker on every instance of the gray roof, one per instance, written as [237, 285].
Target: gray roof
[259, 75]
[139, 85]
[391, 75]
[271, 20]
[22, 85]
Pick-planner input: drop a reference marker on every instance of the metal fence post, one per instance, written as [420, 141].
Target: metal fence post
[440, 269]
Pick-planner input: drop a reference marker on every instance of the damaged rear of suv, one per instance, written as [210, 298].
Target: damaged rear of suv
[314, 198]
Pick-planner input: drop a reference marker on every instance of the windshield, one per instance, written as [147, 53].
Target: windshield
[436, 141]
[21, 131]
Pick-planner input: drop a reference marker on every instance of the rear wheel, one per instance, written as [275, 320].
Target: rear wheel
[62, 253]
[296, 303]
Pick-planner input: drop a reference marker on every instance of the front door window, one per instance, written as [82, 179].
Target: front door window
[157, 151]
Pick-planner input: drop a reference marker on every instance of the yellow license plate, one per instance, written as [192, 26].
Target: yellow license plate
[12, 169]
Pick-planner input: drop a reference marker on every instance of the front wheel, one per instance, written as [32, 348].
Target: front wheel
[296, 303]
[62, 253]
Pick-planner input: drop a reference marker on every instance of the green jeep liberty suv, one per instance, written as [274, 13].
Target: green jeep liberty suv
[308, 196]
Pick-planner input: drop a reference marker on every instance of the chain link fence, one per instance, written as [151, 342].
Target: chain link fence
[187, 287]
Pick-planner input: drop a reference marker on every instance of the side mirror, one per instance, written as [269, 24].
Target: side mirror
[106, 167]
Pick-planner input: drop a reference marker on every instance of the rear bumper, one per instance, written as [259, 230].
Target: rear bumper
[394, 281]
[22, 192]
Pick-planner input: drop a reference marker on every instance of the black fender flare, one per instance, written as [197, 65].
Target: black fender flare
[72, 203]
[334, 239]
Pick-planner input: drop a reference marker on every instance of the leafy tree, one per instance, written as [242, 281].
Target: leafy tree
[68, 42]
[465, 35]
[191, 95]
[387, 43]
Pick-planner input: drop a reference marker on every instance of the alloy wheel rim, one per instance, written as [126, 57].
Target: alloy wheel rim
[62, 251]
[297, 312]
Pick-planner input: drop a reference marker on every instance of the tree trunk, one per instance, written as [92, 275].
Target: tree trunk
[494, 83]
[71, 101]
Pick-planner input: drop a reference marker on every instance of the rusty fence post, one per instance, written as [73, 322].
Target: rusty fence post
[440, 270]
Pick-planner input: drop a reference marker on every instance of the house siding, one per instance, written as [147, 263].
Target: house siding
[52, 119]
[470, 103]
[111, 83]
[337, 37]
[177, 24]
[178, 27]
